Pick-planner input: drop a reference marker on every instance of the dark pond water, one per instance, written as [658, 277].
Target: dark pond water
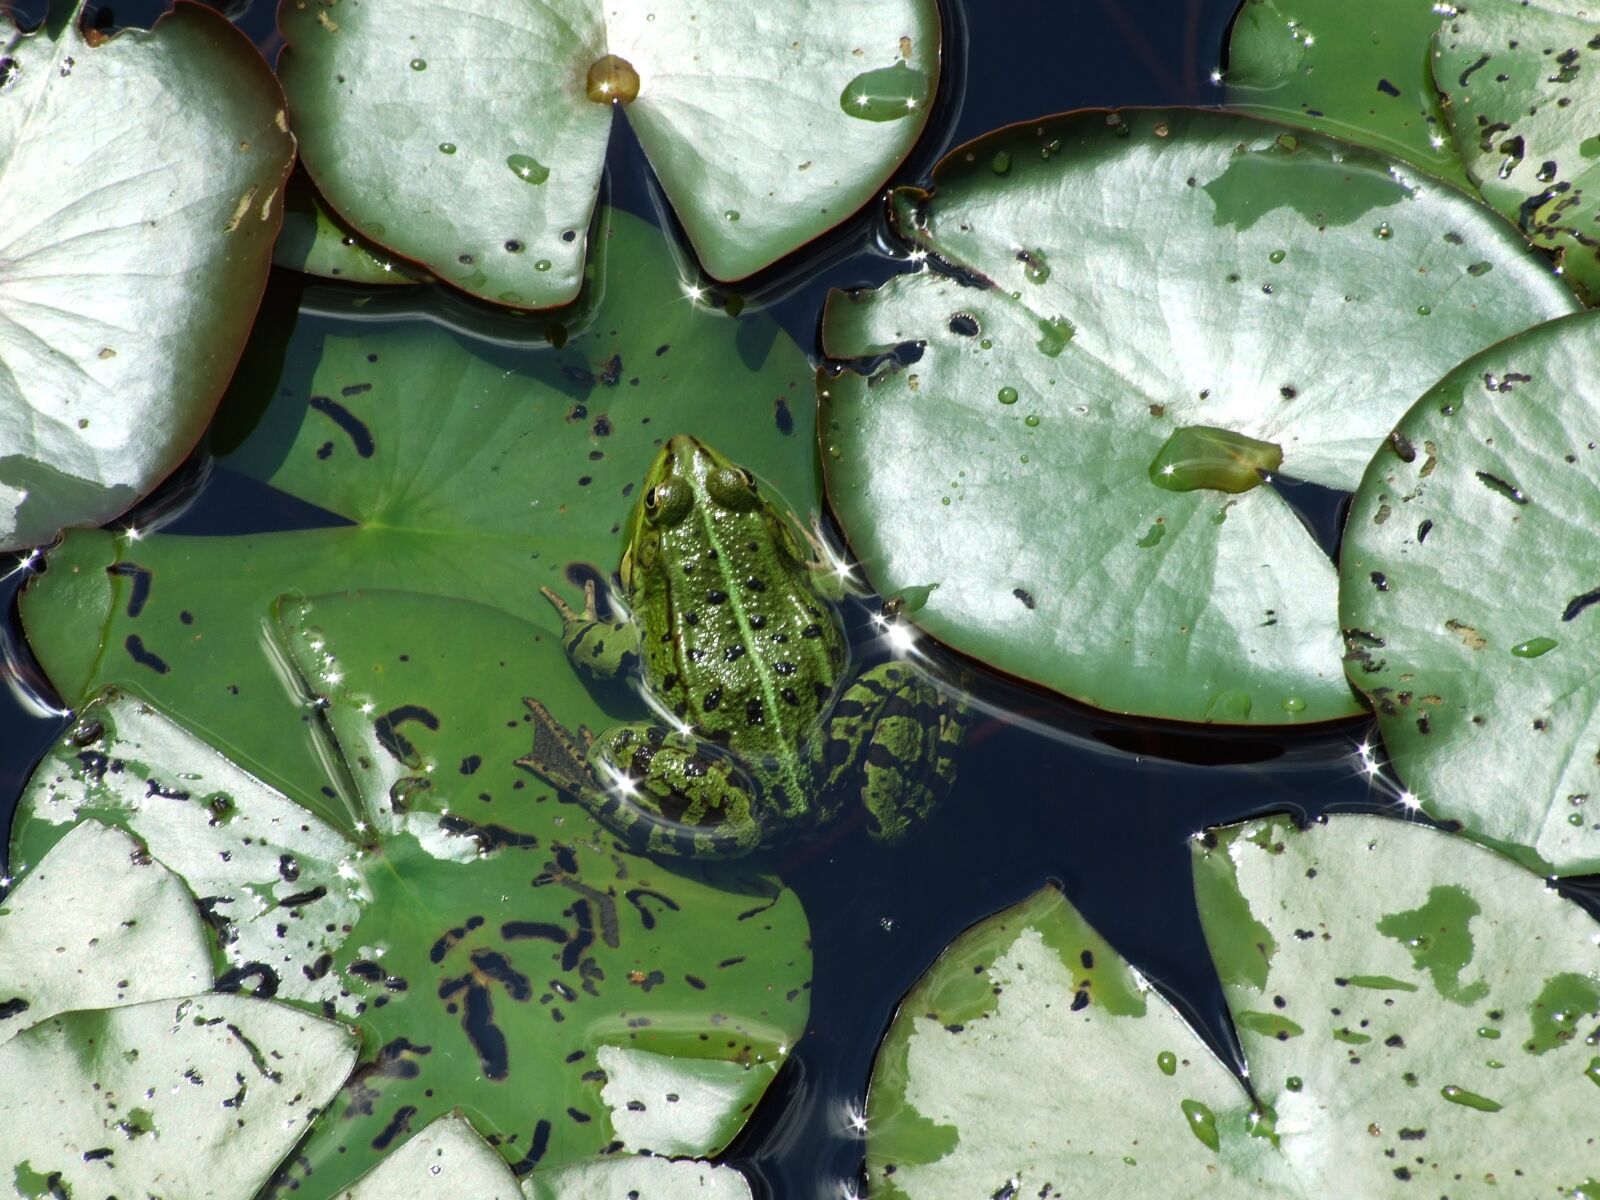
[1051, 792]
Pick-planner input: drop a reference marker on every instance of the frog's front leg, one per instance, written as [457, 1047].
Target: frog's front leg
[603, 649]
[891, 739]
[666, 793]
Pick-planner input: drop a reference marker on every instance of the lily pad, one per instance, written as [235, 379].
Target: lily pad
[317, 242]
[140, 193]
[1355, 69]
[118, 1074]
[1521, 76]
[448, 1159]
[1041, 444]
[767, 125]
[67, 940]
[1412, 1010]
[638, 1179]
[197, 1097]
[500, 952]
[454, 470]
[1467, 590]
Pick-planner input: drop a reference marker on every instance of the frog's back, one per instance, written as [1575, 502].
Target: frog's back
[738, 641]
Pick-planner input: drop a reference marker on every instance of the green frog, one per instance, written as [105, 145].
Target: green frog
[765, 731]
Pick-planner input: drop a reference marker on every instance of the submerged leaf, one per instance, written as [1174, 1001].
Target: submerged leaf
[140, 192]
[1356, 69]
[1251, 295]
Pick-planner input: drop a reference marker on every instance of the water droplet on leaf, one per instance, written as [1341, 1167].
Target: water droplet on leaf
[886, 94]
[527, 168]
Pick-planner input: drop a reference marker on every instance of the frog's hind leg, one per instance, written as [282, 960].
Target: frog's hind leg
[893, 737]
[664, 792]
[669, 793]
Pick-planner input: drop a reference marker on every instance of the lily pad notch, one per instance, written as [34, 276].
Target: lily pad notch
[763, 134]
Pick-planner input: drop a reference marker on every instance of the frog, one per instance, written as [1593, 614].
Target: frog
[732, 630]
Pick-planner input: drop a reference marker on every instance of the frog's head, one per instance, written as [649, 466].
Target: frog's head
[692, 495]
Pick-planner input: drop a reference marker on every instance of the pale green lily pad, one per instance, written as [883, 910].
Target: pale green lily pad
[1355, 69]
[445, 1161]
[1003, 462]
[1413, 1011]
[140, 192]
[1466, 593]
[448, 1159]
[638, 1179]
[462, 474]
[766, 125]
[494, 944]
[198, 1098]
[84, 928]
[1522, 78]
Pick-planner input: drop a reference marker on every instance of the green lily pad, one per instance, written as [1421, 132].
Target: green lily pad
[67, 942]
[1521, 81]
[140, 192]
[1412, 1009]
[500, 952]
[482, 475]
[1252, 292]
[766, 125]
[1466, 590]
[316, 241]
[1355, 69]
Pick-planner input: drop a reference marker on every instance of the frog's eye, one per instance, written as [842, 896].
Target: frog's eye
[668, 502]
[732, 487]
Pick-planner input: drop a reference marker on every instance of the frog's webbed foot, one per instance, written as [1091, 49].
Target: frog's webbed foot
[831, 574]
[604, 649]
[559, 756]
[892, 738]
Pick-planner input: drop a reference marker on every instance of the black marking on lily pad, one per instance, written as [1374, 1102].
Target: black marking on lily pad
[1495, 484]
[513, 931]
[1483, 60]
[398, 1124]
[135, 647]
[1578, 603]
[488, 837]
[536, 1149]
[396, 743]
[140, 592]
[234, 980]
[360, 436]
